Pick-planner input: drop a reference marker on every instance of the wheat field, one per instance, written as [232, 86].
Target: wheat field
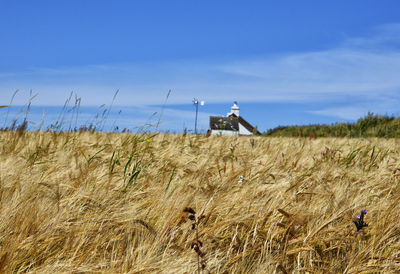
[114, 203]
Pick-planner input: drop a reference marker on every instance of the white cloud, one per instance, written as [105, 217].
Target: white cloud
[355, 110]
[360, 69]
[382, 37]
[345, 113]
[319, 74]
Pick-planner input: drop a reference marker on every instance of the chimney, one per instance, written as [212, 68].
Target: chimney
[234, 109]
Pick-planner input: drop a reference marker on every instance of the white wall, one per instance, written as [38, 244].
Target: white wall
[224, 132]
[243, 130]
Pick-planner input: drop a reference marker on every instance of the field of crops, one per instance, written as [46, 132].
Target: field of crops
[161, 203]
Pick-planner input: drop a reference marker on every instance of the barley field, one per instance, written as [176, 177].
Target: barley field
[161, 203]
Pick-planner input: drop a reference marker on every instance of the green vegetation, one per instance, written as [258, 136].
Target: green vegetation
[371, 125]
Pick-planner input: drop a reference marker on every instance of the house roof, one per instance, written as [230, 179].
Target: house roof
[224, 123]
[244, 123]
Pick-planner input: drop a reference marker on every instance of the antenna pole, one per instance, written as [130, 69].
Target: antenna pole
[196, 102]
[197, 110]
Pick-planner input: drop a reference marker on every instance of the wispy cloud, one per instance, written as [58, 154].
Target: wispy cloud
[346, 113]
[355, 110]
[382, 37]
[361, 70]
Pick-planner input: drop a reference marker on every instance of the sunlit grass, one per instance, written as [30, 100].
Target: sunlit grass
[113, 202]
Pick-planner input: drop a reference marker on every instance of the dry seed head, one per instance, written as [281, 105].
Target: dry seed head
[284, 213]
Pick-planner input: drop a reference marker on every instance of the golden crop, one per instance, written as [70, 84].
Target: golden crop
[114, 203]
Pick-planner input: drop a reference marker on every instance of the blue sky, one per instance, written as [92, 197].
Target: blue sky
[285, 62]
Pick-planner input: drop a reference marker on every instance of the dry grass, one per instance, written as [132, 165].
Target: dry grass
[92, 202]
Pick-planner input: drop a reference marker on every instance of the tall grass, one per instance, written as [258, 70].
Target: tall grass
[113, 202]
[68, 118]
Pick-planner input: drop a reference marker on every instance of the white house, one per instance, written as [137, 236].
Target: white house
[232, 124]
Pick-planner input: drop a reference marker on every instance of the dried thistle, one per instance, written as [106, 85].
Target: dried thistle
[196, 245]
[189, 210]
